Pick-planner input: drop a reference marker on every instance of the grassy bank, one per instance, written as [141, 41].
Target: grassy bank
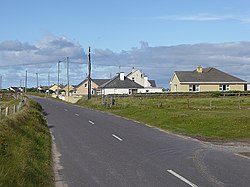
[25, 149]
[8, 101]
[205, 118]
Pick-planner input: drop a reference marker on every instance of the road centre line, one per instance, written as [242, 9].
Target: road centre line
[65, 109]
[91, 122]
[118, 138]
[182, 178]
[76, 114]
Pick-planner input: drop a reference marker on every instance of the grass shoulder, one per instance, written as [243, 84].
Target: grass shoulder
[222, 119]
[25, 148]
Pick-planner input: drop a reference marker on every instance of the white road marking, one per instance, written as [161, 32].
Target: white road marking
[91, 122]
[242, 156]
[182, 178]
[65, 109]
[118, 138]
[77, 114]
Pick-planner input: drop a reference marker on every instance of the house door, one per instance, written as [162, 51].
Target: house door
[245, 87]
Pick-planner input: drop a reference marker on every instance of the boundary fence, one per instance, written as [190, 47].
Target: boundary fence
[8, 110]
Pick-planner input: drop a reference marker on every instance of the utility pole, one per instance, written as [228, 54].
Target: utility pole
[58, 69]
[37, 82]
[26, 79]
[21, 85]
[67, 74]
[89, 76]
[48, 82]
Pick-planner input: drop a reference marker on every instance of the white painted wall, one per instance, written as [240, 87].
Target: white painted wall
[150, 90]
[111, 91]
[139, 78]
[108, 91]
[248, 87]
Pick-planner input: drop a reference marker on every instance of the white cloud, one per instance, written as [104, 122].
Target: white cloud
[158, 63]
[16, 46]
[205, 17]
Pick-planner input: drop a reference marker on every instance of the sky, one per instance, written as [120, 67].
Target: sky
[157, 37]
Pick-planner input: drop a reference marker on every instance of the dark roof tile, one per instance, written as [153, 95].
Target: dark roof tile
[207, 75]
[117, 83]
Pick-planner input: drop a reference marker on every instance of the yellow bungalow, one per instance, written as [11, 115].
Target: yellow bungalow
[54, 87]
[72, 89]
[82, 88]
[205, 80]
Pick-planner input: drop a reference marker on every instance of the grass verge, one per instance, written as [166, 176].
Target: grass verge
[209, 119]
[25, 149]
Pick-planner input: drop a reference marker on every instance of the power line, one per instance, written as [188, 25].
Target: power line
[111, 65]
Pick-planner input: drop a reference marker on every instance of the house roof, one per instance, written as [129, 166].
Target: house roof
[117, 83]
[97, 81]
[60, 85]
[152, 82]
[16, 89]
[70, 86]
[208, 75]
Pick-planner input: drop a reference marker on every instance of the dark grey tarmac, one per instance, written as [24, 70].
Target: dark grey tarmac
[100, 149]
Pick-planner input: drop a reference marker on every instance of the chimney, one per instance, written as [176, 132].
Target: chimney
[145, 81]
[133, 69]
[199, 69]
[121, 76]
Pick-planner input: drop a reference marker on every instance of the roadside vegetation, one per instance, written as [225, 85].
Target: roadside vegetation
[8, 101]
[25, 148]
[212, 119]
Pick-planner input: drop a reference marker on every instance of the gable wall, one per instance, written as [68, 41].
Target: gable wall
[138, 77]
[175, 85]
[82, 90]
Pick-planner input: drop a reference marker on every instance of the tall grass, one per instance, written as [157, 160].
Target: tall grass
[25, 149]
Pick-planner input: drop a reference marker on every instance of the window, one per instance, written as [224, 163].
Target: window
[132, 91]
[224, 87]
[194, 88]
[175, 87]
[86, 85]
[133, 79]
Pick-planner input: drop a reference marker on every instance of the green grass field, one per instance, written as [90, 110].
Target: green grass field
[204, 118]
[25, 148]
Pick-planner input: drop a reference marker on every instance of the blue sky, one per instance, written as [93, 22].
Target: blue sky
[117, 27]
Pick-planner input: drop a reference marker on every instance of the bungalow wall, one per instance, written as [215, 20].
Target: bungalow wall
[108, 91]
[150, 90]
[83, 88]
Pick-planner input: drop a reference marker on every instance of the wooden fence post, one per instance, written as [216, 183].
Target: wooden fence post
[14, 109]
[0, 111]
[210, 104]
[6, 111]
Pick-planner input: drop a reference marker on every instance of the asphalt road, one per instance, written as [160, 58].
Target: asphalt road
[99, 149]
